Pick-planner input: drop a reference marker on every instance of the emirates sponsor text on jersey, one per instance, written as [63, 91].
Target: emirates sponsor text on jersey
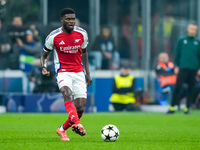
[70, 49]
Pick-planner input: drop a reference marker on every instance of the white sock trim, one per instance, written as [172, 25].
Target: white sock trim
[61, 128]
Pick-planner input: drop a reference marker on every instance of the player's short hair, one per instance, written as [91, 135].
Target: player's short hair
[192, 23]
[66, 11]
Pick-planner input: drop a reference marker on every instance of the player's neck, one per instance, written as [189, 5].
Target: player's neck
[66, 31]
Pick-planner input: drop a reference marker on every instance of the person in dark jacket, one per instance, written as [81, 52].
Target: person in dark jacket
[187, 61]
[104, 52]
[28, 52]
[5, 47]
[15, 30]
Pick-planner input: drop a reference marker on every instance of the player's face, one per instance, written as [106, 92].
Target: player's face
[164, 58]
[68, 21]
[192, 30]
[17, 21]
[106, 32]
[29, 38]
[125, 71]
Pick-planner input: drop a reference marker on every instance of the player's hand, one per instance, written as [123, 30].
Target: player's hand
[108, 55]
[88, 79]
[198, 73]
[176, 70]
[19, 42]
[45, 72]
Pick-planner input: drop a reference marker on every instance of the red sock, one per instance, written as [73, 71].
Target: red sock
[71, 110]
[69, 123]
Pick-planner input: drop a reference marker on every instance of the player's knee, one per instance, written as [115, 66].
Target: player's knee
[67, 93]
[67, 96]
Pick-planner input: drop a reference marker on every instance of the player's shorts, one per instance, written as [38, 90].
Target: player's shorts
[75, 81]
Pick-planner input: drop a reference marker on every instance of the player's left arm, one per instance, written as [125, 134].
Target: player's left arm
[86, 64]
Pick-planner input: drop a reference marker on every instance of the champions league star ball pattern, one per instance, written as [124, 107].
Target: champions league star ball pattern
[110, 133]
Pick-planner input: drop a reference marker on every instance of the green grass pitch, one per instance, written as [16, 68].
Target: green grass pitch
[138, 131]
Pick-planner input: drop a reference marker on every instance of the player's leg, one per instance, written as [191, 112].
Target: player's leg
[191, 84]
[69, 123]
[177, 90]
[65, 85]
[80, 98]
[130, 107]
[118, 106]
[70, 108]
[72, 112]
[80, 104]
[80, 107]
[80, 110]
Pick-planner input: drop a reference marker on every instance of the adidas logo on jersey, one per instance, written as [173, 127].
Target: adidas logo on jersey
[61, 43]
[77, 40]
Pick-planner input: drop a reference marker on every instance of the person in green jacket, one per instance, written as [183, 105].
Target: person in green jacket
[187, 61]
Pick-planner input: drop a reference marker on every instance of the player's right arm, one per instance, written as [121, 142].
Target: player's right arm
[43, 61]
[45, 53]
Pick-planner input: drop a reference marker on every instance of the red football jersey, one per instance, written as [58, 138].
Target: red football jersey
[67, 49]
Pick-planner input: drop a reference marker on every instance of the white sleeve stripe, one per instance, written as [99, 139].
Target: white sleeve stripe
[47, 49]
[53, 33]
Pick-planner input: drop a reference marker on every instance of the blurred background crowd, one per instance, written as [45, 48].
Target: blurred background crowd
[115, 29]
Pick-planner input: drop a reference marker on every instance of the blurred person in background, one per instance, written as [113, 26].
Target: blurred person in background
[167, 22]
[4, 47]
[15, 30]
[187, 61]
[36, 32]
[123, 90]
[28, 52]
[125, 43]
[104, 51]
[43, 84]
[124, 49]
[166, 78]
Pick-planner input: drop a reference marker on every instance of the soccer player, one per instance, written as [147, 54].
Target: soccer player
[69, 44]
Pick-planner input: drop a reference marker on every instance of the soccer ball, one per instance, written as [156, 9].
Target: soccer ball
[110, 133]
